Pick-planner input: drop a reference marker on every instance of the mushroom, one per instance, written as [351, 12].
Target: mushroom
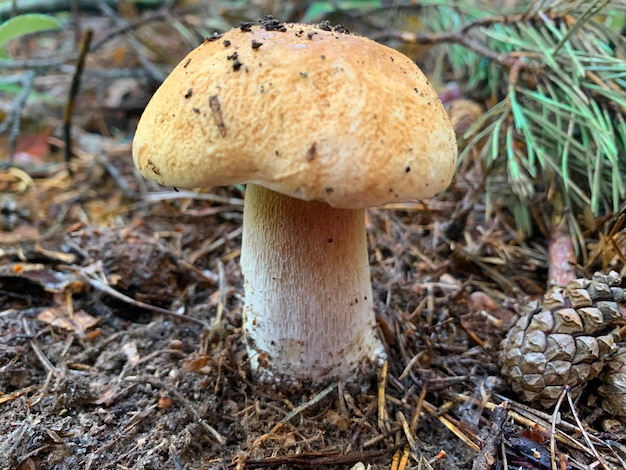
[321, 124]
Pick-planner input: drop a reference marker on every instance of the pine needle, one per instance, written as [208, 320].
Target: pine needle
[557, 73]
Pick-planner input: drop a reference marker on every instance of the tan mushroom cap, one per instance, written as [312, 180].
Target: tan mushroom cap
[310, 113]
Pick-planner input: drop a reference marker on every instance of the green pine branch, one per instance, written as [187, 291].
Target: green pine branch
[556, 73]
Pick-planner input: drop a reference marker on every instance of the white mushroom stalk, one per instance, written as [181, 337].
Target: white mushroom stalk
[308, 312]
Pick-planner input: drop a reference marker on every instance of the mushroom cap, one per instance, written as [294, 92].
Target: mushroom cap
[303, 110]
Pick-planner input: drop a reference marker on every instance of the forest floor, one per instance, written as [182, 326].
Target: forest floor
[121, 312]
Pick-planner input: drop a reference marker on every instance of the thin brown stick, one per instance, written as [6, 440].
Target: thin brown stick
[486, 459]
[74, 88]
[463, 37]
[16, 394]
[311, 459]
[101, 286]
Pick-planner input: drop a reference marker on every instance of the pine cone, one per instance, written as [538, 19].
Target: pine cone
[463, 113]
[565, 341]
[613, 389]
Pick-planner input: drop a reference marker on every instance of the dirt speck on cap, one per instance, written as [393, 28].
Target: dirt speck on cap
[310, 155]
[216, 112]
[245, 26]
[152, 167]
[325, 26]
[272, 24]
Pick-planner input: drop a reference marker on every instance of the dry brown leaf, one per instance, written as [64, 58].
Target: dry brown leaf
[196, 362]
[79, 322]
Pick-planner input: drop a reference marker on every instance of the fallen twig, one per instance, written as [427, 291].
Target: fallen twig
[299, 409]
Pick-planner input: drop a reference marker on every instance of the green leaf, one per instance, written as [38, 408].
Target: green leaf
[25, 24]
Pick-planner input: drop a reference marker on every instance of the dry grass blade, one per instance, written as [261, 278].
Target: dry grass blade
[299, 409]
[51, 368]
[447, 421]
[17, 393]
[404, 459]
[173, 195]
[410, 439]
[584, 433]
[382, 410]
[553, 421]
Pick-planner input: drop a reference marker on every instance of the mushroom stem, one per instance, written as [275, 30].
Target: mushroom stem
[309, 312]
